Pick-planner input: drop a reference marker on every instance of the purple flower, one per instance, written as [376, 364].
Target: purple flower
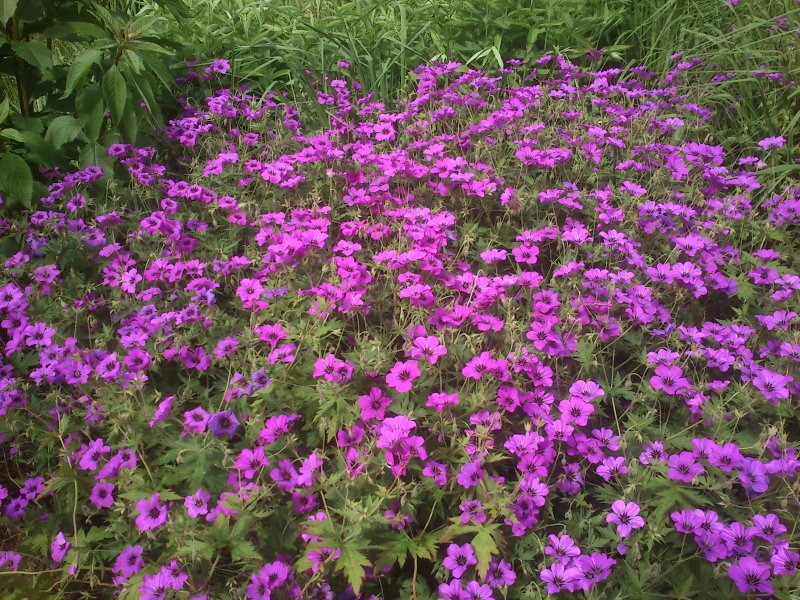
[684, 467]
[223, 424]
[152, 513]
[767, 527]
[626, 517]
[500, 574]
[162, 411]
[688, 521]
[772, 142]
[197, 503]
[402, 375]
[611, 467]
[459, 559]
[102, 495]
[783, 560]
[559, 577]
[749, 575]
[59, 547]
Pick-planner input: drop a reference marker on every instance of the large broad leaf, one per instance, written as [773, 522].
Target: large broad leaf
[116, 93]
[75, 29]
[91, 110]
[63, 130]
[7, 9]
[16, 180]
[80, 66]
[34, 53]
[93, 154]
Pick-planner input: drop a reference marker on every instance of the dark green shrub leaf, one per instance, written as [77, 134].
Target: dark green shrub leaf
[16, 180]
[116, 93]
[7, 9]
[80, 67]
[91, 110]
[63, 130]
[34, 53]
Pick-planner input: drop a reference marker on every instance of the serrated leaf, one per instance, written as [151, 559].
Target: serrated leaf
[352, 563]
[243, 551]
[63, 130]
[116, 92]
[16, 180]
[484, 546]
[35, 53]
[81, 65]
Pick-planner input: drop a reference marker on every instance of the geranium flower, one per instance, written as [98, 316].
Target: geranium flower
[625, 515]
[459, 559]
[751, 576]
[402, 375]
[152, 513]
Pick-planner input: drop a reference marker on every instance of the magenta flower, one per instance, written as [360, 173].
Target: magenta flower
[374, 405]
[575, 411]
[429, 348]
[197, 504]
[459, 559]
[152, 513]
[402, 375]
[625, 515]
[684, 467]
[559, 577]
[669, 379]
[751, 576]
[162, 412]
[771, 142]
[102, 495]
[612, 467]
[59, 547]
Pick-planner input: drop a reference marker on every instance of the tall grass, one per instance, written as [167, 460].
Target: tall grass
[288, 43]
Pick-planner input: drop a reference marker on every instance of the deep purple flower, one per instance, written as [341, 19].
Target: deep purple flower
[59, 547]
[684, 467]
[459, 559]
[626, 517]
[152, 513]
[749, 575]
[223, 424]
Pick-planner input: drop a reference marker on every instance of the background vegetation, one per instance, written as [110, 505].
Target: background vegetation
[78, 75]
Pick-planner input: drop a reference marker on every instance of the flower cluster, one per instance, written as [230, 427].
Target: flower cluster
[390, 356]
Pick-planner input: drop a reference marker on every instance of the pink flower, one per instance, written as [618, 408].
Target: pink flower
[626, 517]
[59, 547]
[429, 348]
[152, 513]
[402, 375]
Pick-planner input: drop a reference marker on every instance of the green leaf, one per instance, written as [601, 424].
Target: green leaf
[4, 109]
[7, 10]
[484, 546]
[91, 110]
[243, 551]
[63, 130]
[12, 134]
[74, 29]
[116, 93]
[16, 180]
[34, 53]
[352, 563]
[80, 66]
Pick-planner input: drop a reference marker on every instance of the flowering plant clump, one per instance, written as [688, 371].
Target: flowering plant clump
[527, 333]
